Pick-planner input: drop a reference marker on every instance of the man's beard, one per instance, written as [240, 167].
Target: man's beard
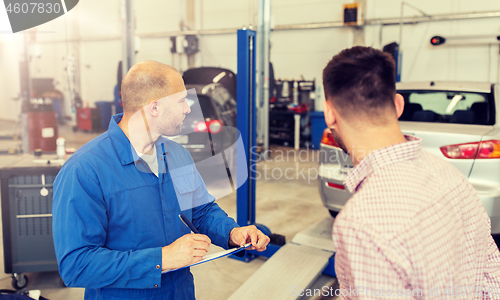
[179, 129]
[170, 127]
[172, 130]
[339, 141]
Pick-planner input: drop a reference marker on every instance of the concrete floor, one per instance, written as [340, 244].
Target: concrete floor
[286, 206]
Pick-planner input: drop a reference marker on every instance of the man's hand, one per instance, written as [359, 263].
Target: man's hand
[186, 250]
[239, 236]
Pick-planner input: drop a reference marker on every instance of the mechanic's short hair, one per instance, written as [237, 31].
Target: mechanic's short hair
[144, 82]
[360, 79]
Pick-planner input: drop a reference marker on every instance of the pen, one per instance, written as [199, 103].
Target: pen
[188, 223]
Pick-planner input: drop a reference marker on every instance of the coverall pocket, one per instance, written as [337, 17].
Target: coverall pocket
[185, 188]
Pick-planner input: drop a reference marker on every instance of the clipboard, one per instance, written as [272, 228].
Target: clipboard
[214, 256]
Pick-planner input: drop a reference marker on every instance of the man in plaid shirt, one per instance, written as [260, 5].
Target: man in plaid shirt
[415, 227]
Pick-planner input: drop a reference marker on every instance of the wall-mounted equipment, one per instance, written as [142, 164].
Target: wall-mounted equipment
[187, 44]
[437, 40]
[191, 44]
[173, 40]
[353, 14]
[465, 40]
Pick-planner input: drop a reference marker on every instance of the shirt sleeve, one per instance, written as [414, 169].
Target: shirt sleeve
[365, 264]
[492, 271]
[79, 230]
[210, 219]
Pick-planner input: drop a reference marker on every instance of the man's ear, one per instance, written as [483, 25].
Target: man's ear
[399, 104]
[153, 108]
[330, 114]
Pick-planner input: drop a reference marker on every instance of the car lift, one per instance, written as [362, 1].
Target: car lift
[299, 263]
[246, 123]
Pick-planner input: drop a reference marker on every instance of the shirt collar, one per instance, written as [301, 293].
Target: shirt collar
[382, 157]
[121, 143]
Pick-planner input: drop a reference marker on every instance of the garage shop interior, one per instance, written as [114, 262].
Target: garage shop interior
[249, 149]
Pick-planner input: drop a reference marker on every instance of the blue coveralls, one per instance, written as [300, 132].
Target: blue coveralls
[111, 218]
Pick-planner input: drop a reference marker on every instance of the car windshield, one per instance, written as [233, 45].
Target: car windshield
[448, 107]
[201, 102]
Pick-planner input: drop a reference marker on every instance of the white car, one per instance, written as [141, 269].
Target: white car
[456, 121]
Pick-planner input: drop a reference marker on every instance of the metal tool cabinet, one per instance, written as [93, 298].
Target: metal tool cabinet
[26, 195]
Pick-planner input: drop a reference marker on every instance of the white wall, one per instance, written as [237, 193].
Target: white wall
[160, 17]
[421, 61]
[99, 59]
[10, 46]
[294, 53]
[306, 52]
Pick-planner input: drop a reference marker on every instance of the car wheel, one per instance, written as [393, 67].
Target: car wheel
[333, 213]
[61, 282]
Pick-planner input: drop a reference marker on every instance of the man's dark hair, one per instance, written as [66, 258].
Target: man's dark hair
[360, 79]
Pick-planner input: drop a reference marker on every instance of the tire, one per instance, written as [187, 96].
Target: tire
[333, 213]
[61, 282]
[20, 281]
[496, 238]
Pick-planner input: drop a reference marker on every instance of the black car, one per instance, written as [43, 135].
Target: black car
[209, 130]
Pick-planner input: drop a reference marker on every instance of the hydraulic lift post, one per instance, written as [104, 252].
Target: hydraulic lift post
[310, 254]
[246, 123]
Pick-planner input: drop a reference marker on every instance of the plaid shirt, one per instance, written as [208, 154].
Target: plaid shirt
[414, 226]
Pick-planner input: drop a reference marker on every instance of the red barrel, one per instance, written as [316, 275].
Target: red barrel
[42, 131]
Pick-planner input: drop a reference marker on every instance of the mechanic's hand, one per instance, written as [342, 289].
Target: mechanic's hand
[240, 236]
[186, 250]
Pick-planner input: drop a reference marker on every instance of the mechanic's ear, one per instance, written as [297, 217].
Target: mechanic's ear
[330, 114]
[153, 108]
[399, 104]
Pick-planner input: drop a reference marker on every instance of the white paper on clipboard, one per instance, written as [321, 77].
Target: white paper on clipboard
[214, 256]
